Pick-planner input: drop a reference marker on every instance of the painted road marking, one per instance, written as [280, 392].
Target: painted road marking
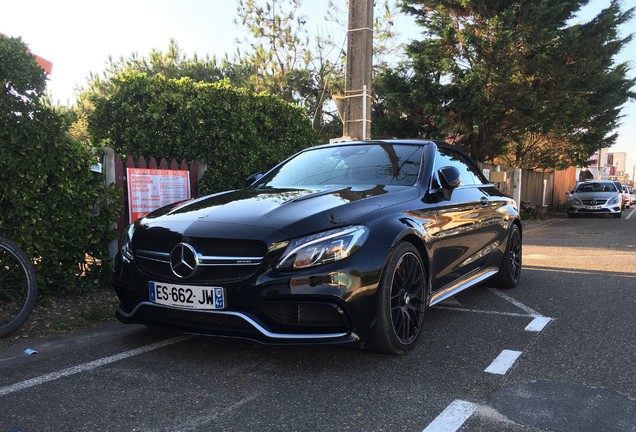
[452, 418]
[538, 324]
[503, 362]
[515, 302]
[89, 366]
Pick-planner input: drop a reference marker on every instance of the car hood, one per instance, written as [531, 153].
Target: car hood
[257, 213]
[595, 195]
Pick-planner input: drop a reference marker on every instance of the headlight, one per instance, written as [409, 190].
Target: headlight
[324, 247]
[614, 200]
[575, 201]
[126, 247]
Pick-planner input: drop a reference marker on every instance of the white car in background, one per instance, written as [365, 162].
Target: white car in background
[599, 197]
[625, 196]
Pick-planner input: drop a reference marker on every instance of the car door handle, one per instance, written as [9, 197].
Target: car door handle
[483, 201]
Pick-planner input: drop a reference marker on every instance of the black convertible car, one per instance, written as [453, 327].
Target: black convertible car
[340, 243]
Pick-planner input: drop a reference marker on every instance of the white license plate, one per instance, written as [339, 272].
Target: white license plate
[593, 207]
[187, 296]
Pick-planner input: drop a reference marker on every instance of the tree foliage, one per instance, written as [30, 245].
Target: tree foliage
[512, 79]
[278, 57]
[283, 61]
[234, 131]
[51, 203]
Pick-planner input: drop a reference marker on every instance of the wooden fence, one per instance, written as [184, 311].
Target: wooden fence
[539, 188]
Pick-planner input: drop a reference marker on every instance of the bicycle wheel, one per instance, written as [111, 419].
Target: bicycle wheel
[18, 287]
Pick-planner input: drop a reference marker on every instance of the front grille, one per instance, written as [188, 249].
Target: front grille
[594, 202]
[208, 274]
[602, 210]
[153, 258]
[231, 248]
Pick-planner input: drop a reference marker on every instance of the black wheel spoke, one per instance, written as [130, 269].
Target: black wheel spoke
[407, 298]
[515, 255]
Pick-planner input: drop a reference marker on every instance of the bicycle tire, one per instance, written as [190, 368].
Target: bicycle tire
[18, 287]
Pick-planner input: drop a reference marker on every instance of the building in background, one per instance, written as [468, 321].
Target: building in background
[612, 167]
[44, 63]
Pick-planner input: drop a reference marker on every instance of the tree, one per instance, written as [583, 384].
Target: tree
[279, 57]
[286, 64]
[234, 131]
[53, 206]
[501, 77]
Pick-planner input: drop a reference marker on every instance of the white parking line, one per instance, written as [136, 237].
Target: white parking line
[461, 309]
[452, 418]
[91, 365]
[503, 362]
[515, 302]
[537, 324]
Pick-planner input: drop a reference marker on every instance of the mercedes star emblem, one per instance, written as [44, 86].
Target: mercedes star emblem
[184, 260]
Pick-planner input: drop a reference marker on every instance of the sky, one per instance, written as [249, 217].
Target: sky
[78, 36]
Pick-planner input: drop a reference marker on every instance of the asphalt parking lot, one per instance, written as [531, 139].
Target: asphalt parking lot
[554, 354]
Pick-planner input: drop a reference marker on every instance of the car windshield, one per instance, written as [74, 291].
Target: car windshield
[596, 187]
[365, 164]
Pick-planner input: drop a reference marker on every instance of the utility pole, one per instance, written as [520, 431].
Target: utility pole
[358, 91]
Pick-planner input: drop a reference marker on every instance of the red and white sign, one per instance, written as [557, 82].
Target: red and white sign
[150, 189]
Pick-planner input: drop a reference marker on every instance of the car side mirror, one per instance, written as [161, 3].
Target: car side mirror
[449, 177]
[253, 179]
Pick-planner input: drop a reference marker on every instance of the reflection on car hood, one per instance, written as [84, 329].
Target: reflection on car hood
[592, 195]
[291, 211]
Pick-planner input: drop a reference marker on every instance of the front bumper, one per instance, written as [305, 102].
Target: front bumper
[225, 324]
[329, 304]
[589, 210]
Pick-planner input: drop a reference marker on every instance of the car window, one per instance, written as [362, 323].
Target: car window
[596, 187]
[449, 157]
[375, 164]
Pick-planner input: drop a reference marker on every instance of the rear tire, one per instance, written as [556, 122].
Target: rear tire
[510, 267]
[402, 298]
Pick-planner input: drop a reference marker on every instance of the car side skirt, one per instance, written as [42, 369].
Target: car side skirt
[462, 284]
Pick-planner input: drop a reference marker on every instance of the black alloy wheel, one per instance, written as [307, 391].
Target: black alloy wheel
[510, 269]
[402, 301]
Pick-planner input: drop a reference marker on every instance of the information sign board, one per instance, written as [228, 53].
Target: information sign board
[150, 189]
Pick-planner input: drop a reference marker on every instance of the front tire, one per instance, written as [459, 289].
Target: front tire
[402, 300]
[510, 268]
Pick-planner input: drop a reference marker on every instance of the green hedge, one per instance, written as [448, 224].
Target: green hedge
[51, 204]
[234, 131]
